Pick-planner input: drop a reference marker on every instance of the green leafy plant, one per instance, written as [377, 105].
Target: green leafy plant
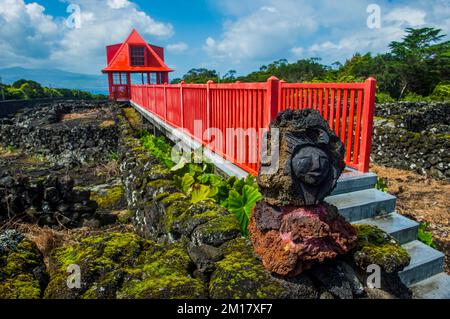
[113, 156]
[241, 204]
[202, 193]
[158, 147]
[381, 185]
[184, 183]
[199, 182]
[425, 236]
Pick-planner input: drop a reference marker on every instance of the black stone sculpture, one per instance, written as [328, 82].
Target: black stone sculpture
[310, 160]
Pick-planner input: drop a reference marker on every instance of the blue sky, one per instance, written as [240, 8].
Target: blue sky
[220, 34]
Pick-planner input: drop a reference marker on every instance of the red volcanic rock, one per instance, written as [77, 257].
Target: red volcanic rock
[306, 235]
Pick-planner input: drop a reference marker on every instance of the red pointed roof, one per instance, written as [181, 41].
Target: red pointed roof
[120, 61]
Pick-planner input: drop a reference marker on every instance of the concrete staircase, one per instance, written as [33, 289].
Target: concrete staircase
[360, 203]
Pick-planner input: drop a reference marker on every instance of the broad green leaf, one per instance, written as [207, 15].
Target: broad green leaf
[242, 204]
[200, 193]
[186, 182]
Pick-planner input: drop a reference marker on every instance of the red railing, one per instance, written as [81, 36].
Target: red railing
[347, 107]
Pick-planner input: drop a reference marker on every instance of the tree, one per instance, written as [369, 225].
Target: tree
[420, 61]
[230, 76]
[201, 75]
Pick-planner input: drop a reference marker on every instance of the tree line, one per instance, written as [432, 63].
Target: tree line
[27, 89]
[414, 69]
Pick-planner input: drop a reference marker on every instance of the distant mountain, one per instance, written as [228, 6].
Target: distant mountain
[57, 79]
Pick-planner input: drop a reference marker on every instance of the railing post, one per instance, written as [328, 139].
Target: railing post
[165, 101]
[154, 100]
[370, 86]
[181, 104]
[208, 104]
[280, 96]
[271, 109]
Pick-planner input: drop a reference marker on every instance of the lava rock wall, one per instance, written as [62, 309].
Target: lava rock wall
[413, 136]
[41, 131]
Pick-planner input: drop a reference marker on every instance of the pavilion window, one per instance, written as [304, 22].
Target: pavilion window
[153, 79]
[116, 78]
[137, 56]
[124, 78]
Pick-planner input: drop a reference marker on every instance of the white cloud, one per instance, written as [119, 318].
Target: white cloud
[118, 4]
[364, 40]
[177, 47]
[272, 27]
[32, 38]
[297, 51]
[406, 15]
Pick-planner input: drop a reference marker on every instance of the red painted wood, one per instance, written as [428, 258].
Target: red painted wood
[358, 129]
[349, 110]
[369, 110]
[351, 120]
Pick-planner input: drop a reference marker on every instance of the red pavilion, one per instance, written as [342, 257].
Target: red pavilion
[134, 62]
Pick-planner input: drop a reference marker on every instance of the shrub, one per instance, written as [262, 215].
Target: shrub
[425, 236]
[381, 185]
[441, 92]
[413, 97]
[382, 97]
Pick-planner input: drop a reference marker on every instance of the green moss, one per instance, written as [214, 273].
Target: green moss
[376, 247]
[23, 286]
[124, 216]
[222, 224]
[159, 183]
[123, 265]
[241, 275]
[109, 198]
[17, 279]
[164, 275]
[173, 213]
[443, 136]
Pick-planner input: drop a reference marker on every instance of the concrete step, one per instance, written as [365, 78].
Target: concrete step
[400, 227]
[352, 181]
[436, 287]
[363, 204]
[425, 262]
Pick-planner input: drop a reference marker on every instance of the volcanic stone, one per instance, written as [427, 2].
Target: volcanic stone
[307, 235]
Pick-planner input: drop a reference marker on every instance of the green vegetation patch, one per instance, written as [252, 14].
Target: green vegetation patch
[199, 183]
[374, 246]
[123, 265]
[240, 275]
[18, 268]
[108, 198]
[425, 236]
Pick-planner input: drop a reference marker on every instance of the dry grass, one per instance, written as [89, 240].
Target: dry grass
[107, 123]
[93, 114]
[109, 170]
[8, 151]
[133, 117]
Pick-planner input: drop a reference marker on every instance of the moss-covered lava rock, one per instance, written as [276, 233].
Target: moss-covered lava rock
[374, 246]
[108, 197]
[123, 265]
[241, 275]
[217, 231]
[22, 269]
